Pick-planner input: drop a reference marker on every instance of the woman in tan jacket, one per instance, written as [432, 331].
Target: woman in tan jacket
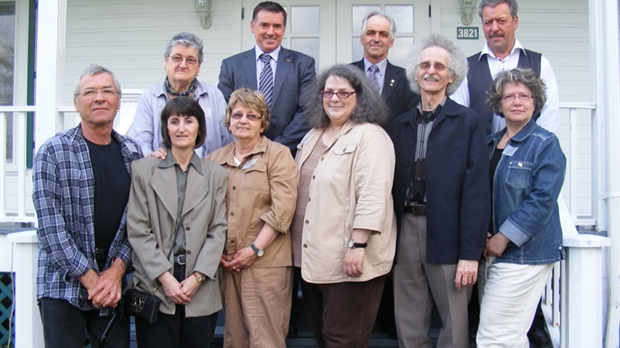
[177, 228]
[262, 189]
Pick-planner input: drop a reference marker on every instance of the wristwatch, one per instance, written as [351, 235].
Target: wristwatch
[353, 245]
[258, 251]
[199, 278]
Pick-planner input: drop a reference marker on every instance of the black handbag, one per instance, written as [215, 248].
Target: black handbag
[141, 305]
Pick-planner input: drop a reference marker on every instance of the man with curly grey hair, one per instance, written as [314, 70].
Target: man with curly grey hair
[441, 199]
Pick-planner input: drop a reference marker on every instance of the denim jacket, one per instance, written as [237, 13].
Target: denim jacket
[527, 183]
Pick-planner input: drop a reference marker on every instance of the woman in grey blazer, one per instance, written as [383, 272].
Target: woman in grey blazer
[177, 228]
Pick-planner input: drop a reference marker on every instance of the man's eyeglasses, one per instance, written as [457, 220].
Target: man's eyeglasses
[512, 97]
[91, 93]
[249, 117]
[191, 61]
[340, 95]
[424, 66]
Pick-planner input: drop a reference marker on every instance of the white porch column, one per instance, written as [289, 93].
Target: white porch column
[604, 42]
[28, 327]
[49, 68]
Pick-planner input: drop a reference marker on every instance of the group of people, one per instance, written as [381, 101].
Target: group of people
[375, 197]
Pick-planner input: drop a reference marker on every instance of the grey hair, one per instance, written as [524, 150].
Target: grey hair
[517, 76]
[457, 63]
[187, 40]
[512, 4]
[380, 14]
[92, 70]
[370, 107]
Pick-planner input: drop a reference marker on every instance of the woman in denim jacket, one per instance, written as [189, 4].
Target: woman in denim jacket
[527, 169]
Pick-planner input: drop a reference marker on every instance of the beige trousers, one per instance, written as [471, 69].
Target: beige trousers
[257, 304]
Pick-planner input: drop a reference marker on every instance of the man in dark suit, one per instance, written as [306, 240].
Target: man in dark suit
[281, 74]
[377, 37]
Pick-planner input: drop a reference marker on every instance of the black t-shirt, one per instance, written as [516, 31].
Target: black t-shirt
[112, 183]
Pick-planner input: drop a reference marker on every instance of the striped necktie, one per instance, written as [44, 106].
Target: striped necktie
[265, 83]
[372, 75]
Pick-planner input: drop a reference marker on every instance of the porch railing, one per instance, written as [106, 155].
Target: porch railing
[571, 289]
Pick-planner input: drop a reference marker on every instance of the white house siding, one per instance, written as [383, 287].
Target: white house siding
[129, 37]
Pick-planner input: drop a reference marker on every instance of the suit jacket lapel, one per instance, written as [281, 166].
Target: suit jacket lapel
[389, 83]
[165, 187]
[196, 193]
[284, 67]
[248, 66]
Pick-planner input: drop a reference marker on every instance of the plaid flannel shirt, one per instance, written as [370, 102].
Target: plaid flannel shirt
[64, 199]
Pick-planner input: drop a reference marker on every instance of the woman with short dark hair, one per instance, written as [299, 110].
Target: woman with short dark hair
[176, 224]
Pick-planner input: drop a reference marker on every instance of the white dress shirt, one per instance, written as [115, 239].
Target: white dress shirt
[550, 114]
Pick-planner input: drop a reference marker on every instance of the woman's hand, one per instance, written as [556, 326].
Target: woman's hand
[189, 286]
[159, 153]
[172, 289]
[225, 264]
[352, 265]
[243, 259]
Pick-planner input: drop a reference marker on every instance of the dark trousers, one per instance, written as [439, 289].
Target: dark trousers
[170, 331]
[65, 326]
[342, 314]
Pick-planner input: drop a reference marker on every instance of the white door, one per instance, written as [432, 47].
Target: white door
[329, 30]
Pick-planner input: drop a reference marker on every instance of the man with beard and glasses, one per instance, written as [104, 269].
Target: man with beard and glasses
[441, 199]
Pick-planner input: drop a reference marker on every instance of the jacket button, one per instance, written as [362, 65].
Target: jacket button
[232, 213]
[234, 187]
[313, 177]
[188, 252]
[187, 228]
[305, 245]
[307, 222]
[309, 199]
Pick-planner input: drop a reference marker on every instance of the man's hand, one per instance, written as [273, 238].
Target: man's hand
[352, 264]
[466, 273]
[108, 291]
[496, 245]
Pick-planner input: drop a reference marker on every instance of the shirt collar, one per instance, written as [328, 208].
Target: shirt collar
[382, 65]
[487, 50]
[274, 54]
[169, 161]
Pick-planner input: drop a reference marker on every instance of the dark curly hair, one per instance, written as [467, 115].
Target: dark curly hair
[370, 107]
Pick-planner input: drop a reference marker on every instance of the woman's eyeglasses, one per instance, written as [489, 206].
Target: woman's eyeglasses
[340, 95]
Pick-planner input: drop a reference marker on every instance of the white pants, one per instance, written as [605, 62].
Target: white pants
[510, 294]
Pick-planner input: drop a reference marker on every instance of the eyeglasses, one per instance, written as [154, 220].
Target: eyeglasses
[512, 97]
[249, 117]
[91, 93]
[439, 67]
[189, 60]
[340, 95]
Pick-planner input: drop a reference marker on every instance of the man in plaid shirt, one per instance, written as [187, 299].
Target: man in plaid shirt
[81, 185]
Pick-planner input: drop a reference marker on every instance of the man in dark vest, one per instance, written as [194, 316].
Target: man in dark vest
[503, 51]
[377, 37]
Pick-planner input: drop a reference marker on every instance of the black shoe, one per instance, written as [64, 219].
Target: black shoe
[539, 337]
